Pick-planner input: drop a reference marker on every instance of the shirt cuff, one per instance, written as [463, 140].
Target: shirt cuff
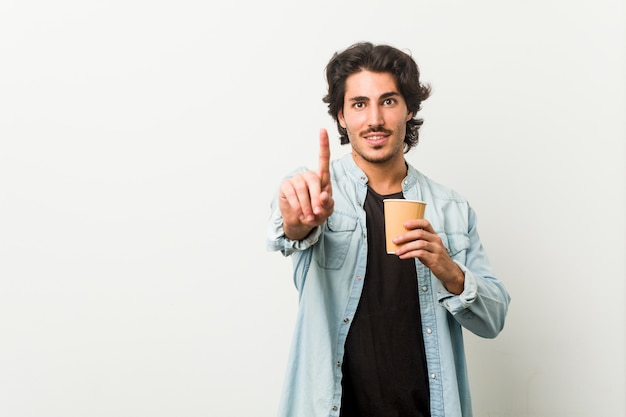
[457, 303]
[278, 241]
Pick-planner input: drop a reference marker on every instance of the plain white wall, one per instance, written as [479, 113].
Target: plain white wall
[141, 143]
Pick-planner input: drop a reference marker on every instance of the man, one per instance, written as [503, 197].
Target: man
[380, 334]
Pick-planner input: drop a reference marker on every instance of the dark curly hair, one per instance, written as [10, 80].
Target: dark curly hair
[376, 58]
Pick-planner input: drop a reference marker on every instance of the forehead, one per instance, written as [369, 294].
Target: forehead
[370, 84]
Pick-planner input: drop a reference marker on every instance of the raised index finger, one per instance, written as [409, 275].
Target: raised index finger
[324, 169]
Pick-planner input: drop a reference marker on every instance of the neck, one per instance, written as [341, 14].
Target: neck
[385, 178]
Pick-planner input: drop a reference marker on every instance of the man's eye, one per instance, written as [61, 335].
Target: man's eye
[389, 101]
[359, 105]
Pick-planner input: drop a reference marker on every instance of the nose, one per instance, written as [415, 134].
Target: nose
[375, 117]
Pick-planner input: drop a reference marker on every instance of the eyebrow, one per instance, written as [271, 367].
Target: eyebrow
[382, 97]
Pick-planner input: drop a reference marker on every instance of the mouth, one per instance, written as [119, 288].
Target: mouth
[376, 137]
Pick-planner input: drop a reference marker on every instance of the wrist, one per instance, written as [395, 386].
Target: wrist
[456, 283]
[296, 232]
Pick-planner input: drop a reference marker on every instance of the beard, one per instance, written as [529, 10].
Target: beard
[377, 157]
[374, 154]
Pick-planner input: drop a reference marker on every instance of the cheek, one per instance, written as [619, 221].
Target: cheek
[352, 121]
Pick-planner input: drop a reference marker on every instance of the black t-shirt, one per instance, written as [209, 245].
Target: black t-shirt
[384, 368]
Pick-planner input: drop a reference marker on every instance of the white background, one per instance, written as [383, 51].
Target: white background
[141, 143]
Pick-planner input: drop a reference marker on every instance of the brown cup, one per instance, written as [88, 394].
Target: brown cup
[397, 211]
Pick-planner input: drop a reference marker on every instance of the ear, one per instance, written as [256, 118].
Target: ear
[342, 120]
[409, 116]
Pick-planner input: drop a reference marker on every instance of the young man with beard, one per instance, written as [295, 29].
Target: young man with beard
[377, 334]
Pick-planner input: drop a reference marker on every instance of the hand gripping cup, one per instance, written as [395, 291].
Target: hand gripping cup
[397, 211]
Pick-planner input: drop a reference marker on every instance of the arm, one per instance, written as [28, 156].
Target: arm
[468, 289]
[483, 305]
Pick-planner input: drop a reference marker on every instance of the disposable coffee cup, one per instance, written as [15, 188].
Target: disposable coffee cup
[397, 211]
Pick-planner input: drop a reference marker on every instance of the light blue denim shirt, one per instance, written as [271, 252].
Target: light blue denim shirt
[329, 269]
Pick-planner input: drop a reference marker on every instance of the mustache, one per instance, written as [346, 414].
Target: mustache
[377, 129]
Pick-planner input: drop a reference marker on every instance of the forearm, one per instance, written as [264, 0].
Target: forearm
[481, 307]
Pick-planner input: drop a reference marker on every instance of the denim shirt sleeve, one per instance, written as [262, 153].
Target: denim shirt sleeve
[277, 241]
[482, 306]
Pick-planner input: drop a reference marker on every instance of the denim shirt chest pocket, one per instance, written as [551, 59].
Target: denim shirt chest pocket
[337, 234]
[456, 244]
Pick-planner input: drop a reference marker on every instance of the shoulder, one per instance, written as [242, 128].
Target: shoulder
[438, 191]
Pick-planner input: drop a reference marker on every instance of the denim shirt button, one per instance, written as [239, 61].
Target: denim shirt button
[433, 376]
[345, 320]
[429, 330]
[424, 288]
[334, 408]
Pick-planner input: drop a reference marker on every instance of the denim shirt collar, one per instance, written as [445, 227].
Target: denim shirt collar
[408, 183]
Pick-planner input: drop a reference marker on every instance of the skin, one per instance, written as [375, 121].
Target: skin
[375, 116]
